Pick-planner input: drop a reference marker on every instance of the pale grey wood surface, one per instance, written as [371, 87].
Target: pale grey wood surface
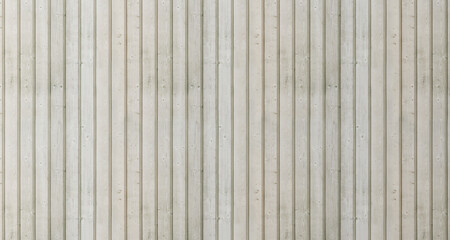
[224, 119]
[393, 117]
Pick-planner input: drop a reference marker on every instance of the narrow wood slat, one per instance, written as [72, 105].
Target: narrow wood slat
[27, 120]
[210, 127]
[2, 124]
[194, 119]
[302, 123]
[179, 130]
[424, 120]
[103, 125]
[377, 130]
[440, 117]
[42, 120]
[149, 117]
[87, 118]
[332, 121]
[133, 120]
[165, 119]
[362, 108]
[286, 124]
[73, 128]
[348, 125]
[393, 109]
[317, 119]
[225, 118]
[408, 121]
[12, 120]
[256, 157]
[239, 121]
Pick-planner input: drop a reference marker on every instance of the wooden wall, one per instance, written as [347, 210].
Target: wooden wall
[224, 119]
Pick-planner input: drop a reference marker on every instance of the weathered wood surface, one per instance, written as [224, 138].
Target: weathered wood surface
[224, 119]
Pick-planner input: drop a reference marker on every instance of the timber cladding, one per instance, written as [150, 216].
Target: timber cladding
[224, 119]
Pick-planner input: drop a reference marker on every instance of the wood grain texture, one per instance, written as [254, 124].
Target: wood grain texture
[224, 119]
[363, 120]
[27, 121]
[393, 109]
[440, 118]
[424, 120]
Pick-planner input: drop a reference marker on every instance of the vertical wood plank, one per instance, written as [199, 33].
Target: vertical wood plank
[149, 116]
[27, 120]
[393, 109]
[363, 137]
[103, 127]
[73, 129]
[439, 141]
[118, 84]
[408, 121]
[271, 119]
[164, 119]
[302, 123]
[240, 127]
[87, 120]
[286, 124]
[348, 125]
[332, 121]
[377, 142]
[57, 99]
[12, 118]
[225, 111]
[133, 120]
[424, 120]
[179, 130]
[210, 119]
[256, 158]
[447, 6]
[317, 118]
[194, 119]
[447, 87]
[42, 119]
[2, 119]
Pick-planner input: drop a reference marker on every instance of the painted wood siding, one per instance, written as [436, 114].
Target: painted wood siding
[224, 119]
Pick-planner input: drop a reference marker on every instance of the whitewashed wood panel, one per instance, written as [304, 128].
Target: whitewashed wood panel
[256, 97]
[302, 120]
[194, 58]
[179, 125]
[73, 126]
[27, 121]
[149, 116]
[224, 119]
[348, 124]
[440, 120]
[424, 120]
[377, 81]
[11, 209]
[118, 121]
[393, 117]
[42, 140]
[210, 117]
[317, 119]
